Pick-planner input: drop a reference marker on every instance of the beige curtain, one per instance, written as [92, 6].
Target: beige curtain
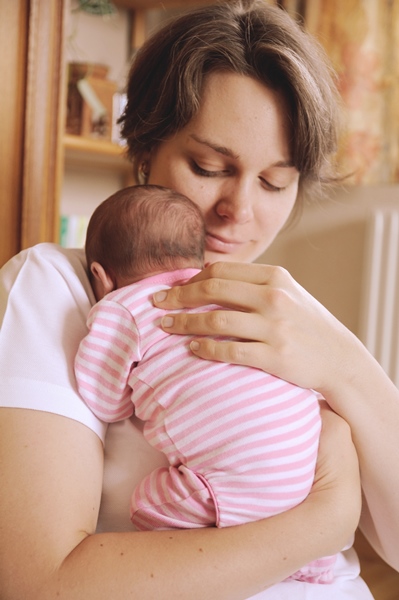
[361, 38]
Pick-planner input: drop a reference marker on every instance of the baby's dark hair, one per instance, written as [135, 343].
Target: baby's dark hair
[143, 229]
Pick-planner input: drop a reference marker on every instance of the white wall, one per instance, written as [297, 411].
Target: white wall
[99, 39]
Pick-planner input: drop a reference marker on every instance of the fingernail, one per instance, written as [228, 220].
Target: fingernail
[160, 296]
[168, 322]
[194, 345]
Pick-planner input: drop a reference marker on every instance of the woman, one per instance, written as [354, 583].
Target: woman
[241, 127]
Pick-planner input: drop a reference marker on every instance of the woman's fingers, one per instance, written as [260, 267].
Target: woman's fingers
[231, 294]
[228, 323]
[233, 285]
[250, 354]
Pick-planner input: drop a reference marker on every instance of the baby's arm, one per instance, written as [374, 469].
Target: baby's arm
[104, 361]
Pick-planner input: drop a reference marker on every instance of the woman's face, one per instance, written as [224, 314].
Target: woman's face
[233, 160]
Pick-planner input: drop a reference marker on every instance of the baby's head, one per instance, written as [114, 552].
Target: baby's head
[143, 230]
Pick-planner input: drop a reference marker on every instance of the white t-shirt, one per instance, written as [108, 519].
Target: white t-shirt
[45, 297]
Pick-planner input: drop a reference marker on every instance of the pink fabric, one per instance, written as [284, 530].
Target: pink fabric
[241, 444]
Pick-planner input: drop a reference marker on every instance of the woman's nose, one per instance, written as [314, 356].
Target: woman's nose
[235, 204]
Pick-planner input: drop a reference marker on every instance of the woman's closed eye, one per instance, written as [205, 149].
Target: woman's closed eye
[278, 179]
[207, 172]
[270, 187]
[202, 172]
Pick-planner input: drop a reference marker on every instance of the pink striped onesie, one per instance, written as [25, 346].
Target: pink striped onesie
[242, 444]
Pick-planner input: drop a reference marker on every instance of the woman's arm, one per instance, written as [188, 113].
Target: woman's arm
[373, 412]
[292, 336]
[50, 482]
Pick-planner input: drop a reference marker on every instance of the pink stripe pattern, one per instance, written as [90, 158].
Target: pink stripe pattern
[241, 443]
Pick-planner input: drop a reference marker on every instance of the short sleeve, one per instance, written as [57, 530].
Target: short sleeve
[45, 297]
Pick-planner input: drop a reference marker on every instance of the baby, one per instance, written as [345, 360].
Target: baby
[241, 443]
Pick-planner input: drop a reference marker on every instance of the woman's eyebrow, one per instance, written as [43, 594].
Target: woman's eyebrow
[220, 149]
[288, 164]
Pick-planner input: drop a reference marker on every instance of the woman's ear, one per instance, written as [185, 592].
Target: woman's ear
[103, 282]
[144, 168]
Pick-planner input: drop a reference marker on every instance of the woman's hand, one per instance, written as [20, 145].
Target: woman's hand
[283, 330]
[280, 327]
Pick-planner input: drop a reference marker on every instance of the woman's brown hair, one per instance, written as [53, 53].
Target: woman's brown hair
[247, 37]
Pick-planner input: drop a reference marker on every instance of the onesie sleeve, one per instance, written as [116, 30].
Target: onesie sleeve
[105, 359]
[45, 297]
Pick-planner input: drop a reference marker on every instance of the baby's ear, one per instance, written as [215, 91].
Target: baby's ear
[104, 283]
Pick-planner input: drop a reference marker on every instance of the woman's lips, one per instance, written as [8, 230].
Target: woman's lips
[216, 243]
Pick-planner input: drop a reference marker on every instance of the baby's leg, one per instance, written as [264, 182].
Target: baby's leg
[173, 497]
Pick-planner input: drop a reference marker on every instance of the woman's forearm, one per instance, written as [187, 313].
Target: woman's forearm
[50, 485]
[369, 402]
[234, 562]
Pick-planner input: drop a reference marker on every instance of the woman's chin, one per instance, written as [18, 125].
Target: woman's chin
[213, 257]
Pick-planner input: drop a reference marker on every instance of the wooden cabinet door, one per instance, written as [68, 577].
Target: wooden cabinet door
[13, 51]
[32, 109]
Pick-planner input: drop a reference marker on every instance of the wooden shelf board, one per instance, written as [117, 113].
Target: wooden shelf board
[92, 145]
[91, 152]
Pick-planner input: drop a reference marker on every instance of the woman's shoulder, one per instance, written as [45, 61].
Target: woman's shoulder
[45, 297]
[47, 264]
[46, 254]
